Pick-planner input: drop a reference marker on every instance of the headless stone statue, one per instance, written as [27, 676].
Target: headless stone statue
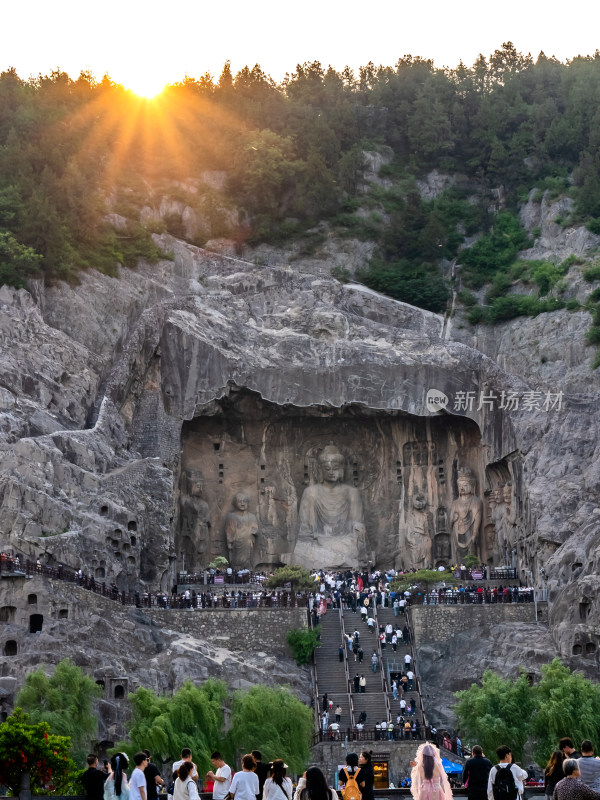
[331, 530]
[419, 538]
[466, 516]
[241, 528]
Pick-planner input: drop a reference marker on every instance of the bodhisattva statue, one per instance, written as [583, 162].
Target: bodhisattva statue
[331, 530]
[241, 528]
[466, 514]
[419, 538]
[194, 515]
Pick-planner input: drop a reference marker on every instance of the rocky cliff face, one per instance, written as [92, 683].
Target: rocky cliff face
[124, 402]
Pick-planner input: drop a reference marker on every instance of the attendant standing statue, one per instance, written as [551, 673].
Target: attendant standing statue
[331, 529]
[419, 537]
[466, 515]
[241, 529]
[193, 542]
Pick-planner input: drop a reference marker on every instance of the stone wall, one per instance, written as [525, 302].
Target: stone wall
[238, 629]
[328, 756]
[122, 648]
[441, 623]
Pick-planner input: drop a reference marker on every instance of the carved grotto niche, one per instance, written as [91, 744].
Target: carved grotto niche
[324, 486]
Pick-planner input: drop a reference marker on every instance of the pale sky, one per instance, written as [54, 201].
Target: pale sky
[147, 44]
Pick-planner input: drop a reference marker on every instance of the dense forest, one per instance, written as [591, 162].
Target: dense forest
[293, 153]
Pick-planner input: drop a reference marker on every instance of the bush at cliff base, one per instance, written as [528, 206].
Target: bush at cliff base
[26, 747]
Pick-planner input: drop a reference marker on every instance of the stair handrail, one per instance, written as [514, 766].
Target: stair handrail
[315, 683]
[414, 665]
[384, 687]
[350, 698]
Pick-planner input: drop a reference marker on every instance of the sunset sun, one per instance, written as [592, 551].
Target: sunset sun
[146, 84]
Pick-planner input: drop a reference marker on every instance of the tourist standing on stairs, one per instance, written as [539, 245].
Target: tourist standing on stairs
[363, 684]
[374, 661]
[338, 713]
[356, 682]
[395, 689]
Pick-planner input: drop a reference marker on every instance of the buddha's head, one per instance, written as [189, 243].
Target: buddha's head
[331, 462]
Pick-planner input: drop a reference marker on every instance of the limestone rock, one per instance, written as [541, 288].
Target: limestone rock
[114, 389]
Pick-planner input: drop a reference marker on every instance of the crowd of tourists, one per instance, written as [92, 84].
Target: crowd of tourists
[353, 589]
[569, 775]
[255, 780]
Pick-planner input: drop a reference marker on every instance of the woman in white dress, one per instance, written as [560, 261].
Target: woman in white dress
[116, 786]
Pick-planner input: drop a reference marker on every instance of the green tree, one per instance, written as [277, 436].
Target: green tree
[297, 577]
[17, 262]
[497, 712]
[422, 578]
[495, 251]
[567, 704]
[65, 701]
[31, 756]
[274, 721]
[302, 642]
[191, 717]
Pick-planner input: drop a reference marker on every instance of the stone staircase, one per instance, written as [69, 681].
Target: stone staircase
[393, 662]
[331, 672]
[372, 701]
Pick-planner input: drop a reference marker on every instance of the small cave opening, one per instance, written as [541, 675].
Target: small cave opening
[10, 648]
[36, 622]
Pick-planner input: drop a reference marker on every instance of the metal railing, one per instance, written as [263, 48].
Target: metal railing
[487, 596]
[23, 566]
[384, 686]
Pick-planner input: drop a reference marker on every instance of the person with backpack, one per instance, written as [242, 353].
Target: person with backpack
[505, 781]
[350, 777]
